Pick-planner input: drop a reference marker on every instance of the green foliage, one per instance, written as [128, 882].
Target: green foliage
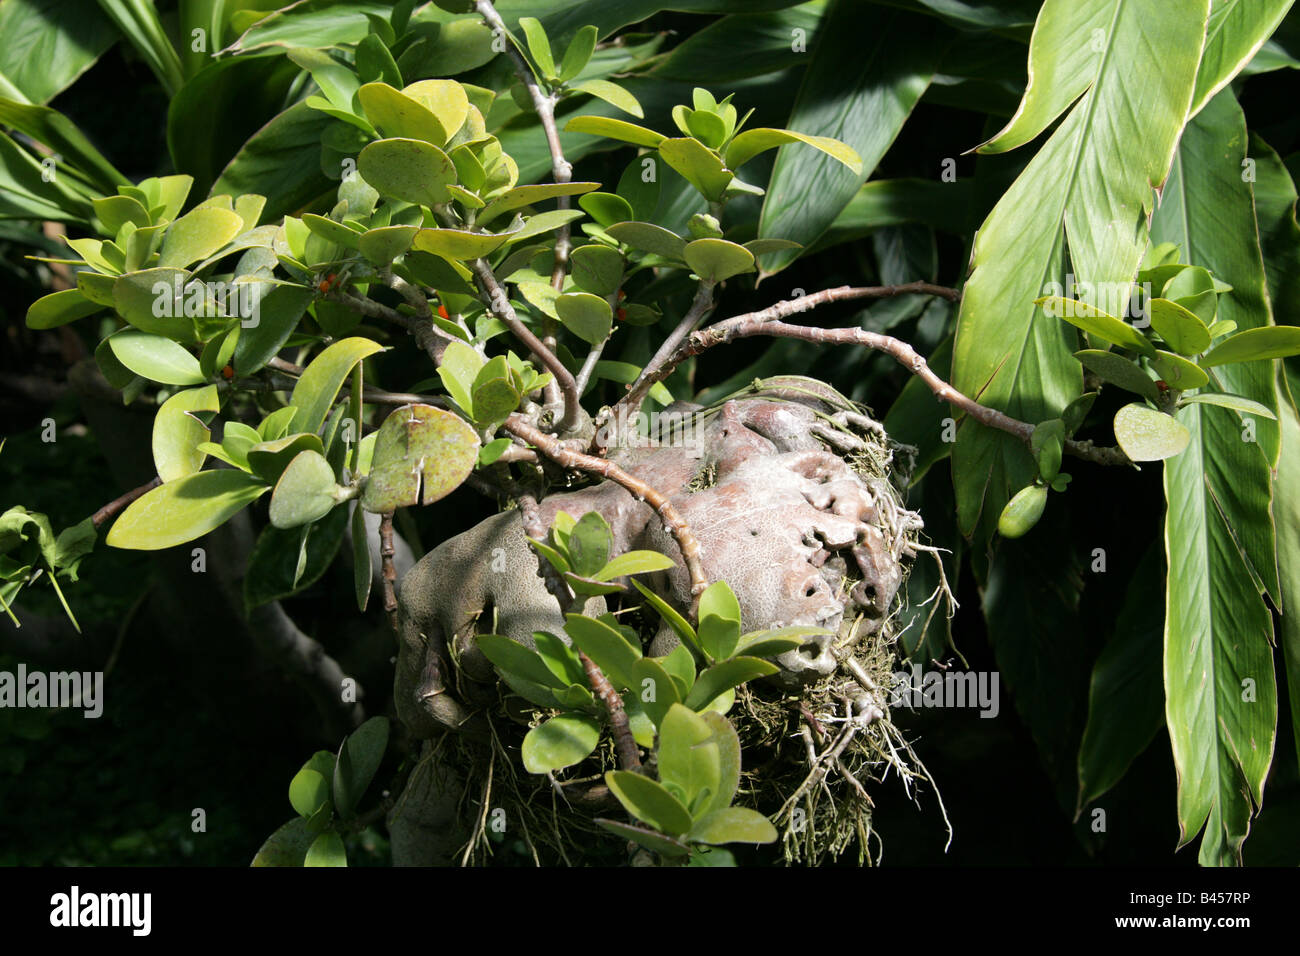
[327, 794]
[347, 174]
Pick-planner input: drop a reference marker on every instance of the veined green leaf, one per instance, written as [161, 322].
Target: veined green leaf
[184, 509]
[1218, 631]
[1089, 183]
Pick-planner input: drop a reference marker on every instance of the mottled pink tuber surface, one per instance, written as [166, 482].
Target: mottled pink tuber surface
[764, 481]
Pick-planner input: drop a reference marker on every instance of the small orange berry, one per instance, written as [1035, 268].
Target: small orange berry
[228, 372]
[442, 311]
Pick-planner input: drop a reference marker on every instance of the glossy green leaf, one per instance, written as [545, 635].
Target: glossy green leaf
[585, 315]
[578, 52]
[560, 742]
[1147, 435]
[1177, 372]
[607, 208]
[649, 801]
[1251, 345]
[634, 562]
[326, 850]
[522, 196]
[514, 658]
[305, 492]
[320, 382]
[155, 358]
[384, 244]
[60, 308]
[308, 791]
[408, 169]
[430, 110]
[422, 455]
[1182, 329]
[720, 678]
[733, 825]
[184, 509]
[613, 94]
[648, 237]
[652, 840]
[1096, 322]
[750, 143]
[1120, 371]
[177, 432]
[285, 562]
[698, 165]
[680, 626]
[359, 758]
[597, 269]
[615, 129]
[1236, 402]
[1235, 32]
[1061, 68]
[287, 846]
[612, 653]
[689, 761]
[42, 61]
[589, 543]
[457, 243]
[197, 235]
[719, 616]
[269, 459]
[278, 314]
[715, 260]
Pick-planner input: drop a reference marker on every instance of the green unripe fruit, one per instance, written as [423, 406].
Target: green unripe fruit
[1022, 512]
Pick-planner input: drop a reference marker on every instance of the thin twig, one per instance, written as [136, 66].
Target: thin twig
[386, 551]
[650, 374]
[629, 758]
[660, 369]
[544, 104]
[766, 322]
[565, 457]
[372, 396]
[111, 509]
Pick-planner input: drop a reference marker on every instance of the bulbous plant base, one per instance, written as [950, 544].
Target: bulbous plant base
[792, 493]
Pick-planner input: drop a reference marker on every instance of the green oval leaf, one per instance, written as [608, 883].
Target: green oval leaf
[1147, 435]
[715, 681]
[305, 492]
[60, 308]
[359, 757]
[155, 358]
[408, 169]
[326, 850]
[698, 165]
[751, 142]
[1096, 322]
[381, 246]
[648, 237]
[1177, 372]
[308, 791]
[1237, 403]
[1183, 330]
[1120, 371]
[457, 243]
[634, 562]
[611, 652]
[597, 269]
[714, 260]
[733, 825]
[560, 742]
[1269, 342]
[615, 129]
[585, 315]
[649, 801]
[198, 234]
[422, 454]
[177, 432]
